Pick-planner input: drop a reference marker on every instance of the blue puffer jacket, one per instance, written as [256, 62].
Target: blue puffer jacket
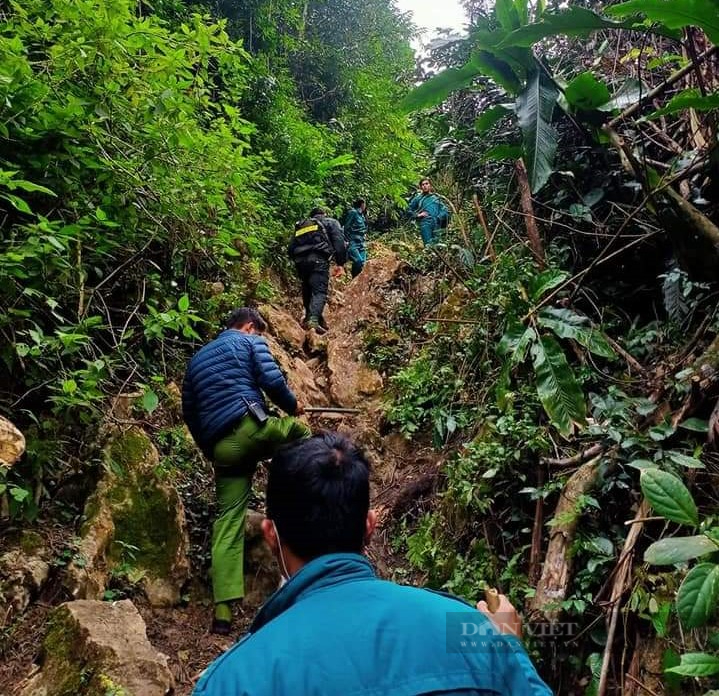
[334, 628]
[221, 375]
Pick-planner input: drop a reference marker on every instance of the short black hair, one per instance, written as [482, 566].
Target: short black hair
[246, 315]
[358, 203]
[317, 211]
[318, 495]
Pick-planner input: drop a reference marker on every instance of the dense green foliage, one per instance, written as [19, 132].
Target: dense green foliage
[145, 153]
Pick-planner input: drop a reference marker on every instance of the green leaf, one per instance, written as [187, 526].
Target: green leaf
[567, 324]
[679, 549]
[684, 460]
[150, 401]
[439, 87]
[506, 14]
[557, 387]
[535, 105]
[698, 595]
[669, 496]
[502, 152]
[574, 21]
[696, 665]
[516, 342]
[183, 304]
[490, 117]
[30, 187]
[19, 494]
[688, 99]
[489, 64]
[586, 92]
[696, 424]
[546, 281]
[17, 203]
[673, 14]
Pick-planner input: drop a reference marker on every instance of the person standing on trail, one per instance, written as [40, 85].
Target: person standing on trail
[428, 211]
[223, 406]
[317, 240]
[334, 627]
[355, 235]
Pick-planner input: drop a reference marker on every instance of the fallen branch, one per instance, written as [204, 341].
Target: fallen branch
[578, 458]
[623, 569]
[525, 197]
[556, 571]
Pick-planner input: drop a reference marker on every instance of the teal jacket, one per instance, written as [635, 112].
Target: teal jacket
[335, 628]
[429, 202]
[355, 228]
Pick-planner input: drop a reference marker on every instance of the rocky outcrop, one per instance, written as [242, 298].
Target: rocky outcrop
[135, 526]
[98, 648]
[365, 301]
[12, 443]
[23, 572]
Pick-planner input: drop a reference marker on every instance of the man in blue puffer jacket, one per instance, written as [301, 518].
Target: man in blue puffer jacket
[335, 628]
[223, 406]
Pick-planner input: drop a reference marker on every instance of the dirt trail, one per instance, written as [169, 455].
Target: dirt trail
[323, 371]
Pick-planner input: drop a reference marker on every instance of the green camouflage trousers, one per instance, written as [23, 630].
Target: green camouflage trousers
[235, 459]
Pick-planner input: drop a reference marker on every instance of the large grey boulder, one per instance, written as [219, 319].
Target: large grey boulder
[96, 648]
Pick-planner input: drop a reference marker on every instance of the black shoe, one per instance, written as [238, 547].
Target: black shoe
[221, 627]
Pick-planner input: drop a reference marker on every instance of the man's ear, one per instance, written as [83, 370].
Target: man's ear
[370, 525]
[268, 532]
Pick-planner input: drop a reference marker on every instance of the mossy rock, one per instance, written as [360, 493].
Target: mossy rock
[95, 648]
[135, 526]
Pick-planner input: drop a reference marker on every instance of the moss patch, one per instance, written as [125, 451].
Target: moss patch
[63, 669]
[30, 542]
[128, 450]
[145, 519]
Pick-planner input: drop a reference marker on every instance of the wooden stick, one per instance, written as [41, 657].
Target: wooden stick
[525, 193]
[489, 236]
[618, 588]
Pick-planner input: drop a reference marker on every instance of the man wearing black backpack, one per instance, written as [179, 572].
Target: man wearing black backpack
[317, 240]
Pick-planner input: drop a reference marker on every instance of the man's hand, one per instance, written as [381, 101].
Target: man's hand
[337, 271]
[506, 618]
[300, 409]
[423, 214]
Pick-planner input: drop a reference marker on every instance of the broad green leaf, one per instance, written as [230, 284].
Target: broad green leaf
[679, 549]
[19, 494]
[673, 14]
[535, 105]
[17, 203]
[489, 64]
[439, 87]
[574, 21]
[490, 117]
[688, 99]
[150, 401]
[695, 424]
[502, 152]
[698, 595]
[685, 460]
[557, 387]
[183, 304]
[567, 324]
[516, 339]
[506, 14]
[586, 92]
[669, 496]
[546, 281]
[696, 665]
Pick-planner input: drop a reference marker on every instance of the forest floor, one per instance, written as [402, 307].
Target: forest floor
[326, 371]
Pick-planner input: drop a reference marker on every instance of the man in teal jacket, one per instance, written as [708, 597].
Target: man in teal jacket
[428, 210]
[355, 229]
[333, 627]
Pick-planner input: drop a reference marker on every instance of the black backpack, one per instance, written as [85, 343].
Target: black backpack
[310, 236]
